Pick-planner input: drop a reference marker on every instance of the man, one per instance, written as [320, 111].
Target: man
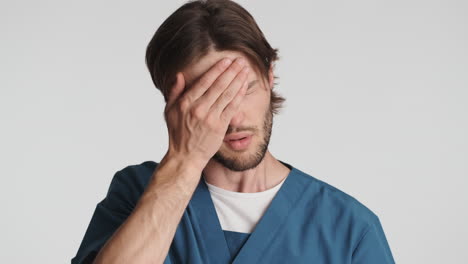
[218, 195]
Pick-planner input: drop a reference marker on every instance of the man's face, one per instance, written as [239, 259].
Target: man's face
[254, 116]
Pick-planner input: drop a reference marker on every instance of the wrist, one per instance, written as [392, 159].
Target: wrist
[173, 174]
[184, 162]
[180, 169]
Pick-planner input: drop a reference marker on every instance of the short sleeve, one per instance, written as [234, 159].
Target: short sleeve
[373, 246]
[108, 215]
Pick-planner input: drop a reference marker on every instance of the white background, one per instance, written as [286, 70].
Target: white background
[376, 106]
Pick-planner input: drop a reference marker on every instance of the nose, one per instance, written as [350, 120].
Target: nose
[237, 119]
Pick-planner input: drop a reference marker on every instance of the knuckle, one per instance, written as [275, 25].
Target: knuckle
[197, 112]
[184, 104]
[212, 123]
[228, 94]
[215, 108]
[204, 81]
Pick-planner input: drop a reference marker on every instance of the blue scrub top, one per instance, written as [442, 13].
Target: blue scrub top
[308, 221]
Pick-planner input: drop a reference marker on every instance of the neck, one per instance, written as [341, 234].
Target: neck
[266, 175]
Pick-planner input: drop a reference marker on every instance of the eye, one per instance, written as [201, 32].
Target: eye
[250, 87]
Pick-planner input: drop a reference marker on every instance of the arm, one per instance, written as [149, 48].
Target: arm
[142, 228]
[146, 235]
[197, 123]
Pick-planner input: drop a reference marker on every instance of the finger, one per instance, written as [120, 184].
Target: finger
[221, 83]
[228, 94]
[207, 79]
[176, 89]
[233, 107]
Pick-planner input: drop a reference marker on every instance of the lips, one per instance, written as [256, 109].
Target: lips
[238, 142]
[236, 136]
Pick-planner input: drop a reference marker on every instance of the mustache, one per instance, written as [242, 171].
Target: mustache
[240, 129]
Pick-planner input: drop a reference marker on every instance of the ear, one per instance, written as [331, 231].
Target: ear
[271, 77]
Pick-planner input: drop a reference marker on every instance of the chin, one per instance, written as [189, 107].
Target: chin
[240, 160]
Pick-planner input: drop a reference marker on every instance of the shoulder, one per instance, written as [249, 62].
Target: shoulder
[343, 219]
[135, 174]
[336, 203]
[129, 183]
[337, 214]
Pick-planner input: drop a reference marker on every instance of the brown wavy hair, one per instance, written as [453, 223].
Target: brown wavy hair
[199, 26]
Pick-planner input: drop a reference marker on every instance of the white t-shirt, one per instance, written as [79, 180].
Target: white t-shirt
[240, 212]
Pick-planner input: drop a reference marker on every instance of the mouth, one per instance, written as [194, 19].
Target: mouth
[238, 142]
[237, 139]
[236, 136]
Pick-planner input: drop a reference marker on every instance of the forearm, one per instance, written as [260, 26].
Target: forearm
[146, 235]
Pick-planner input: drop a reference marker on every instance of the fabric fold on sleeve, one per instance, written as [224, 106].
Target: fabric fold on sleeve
[108, 215]
[373, 246]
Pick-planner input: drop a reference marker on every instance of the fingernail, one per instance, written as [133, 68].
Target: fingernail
[226, 62]
[241, 61]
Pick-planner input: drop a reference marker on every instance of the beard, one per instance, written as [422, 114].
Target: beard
[247, 161]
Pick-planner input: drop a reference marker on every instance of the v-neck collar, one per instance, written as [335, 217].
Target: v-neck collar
[265, 230]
